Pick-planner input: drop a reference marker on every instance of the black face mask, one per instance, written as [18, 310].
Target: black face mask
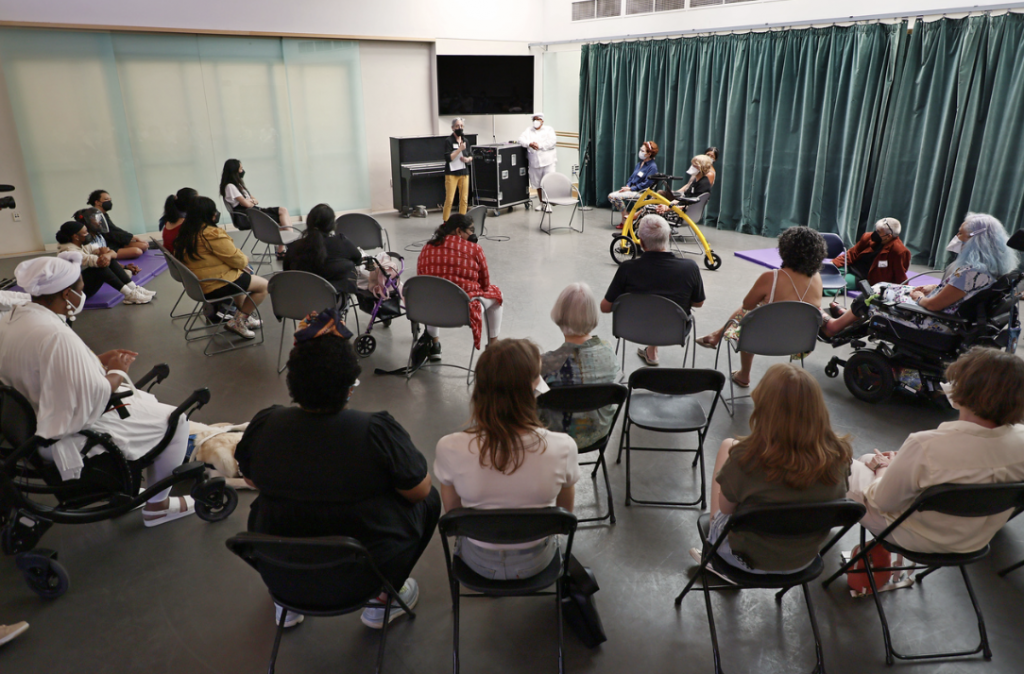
[107, 205]
[216, 218]
[241, 174]
[458, 132]
[472, 238]
[876, 238]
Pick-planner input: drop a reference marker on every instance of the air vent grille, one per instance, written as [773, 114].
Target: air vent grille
[639, 6]
[584, 10]
[606, 8]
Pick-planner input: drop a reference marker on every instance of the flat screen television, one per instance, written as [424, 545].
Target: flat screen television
[484, 85]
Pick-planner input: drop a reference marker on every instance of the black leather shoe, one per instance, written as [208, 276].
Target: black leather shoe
[435, 351]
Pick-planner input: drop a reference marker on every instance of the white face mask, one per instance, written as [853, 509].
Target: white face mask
[955, 245]
[642, 155]
[692, 171]
[947, 388]
[537, 123]
[540, 387]
[75, 309]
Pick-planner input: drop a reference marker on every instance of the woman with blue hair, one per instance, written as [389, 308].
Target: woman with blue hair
[982, 257]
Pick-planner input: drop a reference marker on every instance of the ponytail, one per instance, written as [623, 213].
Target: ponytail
[455, 223]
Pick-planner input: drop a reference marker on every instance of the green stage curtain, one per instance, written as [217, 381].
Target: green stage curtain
[953, 140]
[796, 114]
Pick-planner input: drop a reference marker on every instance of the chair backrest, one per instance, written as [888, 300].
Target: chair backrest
[556, 186]
[171, 269]
[240, 219]
[994, 300]
[971, 500]
[297, 293]
[784, 520]
[507, 526]
[649, 319]
[834, 246]
[360, 229]
[695, 211]
[434, 301]
[676, 381]
[318, 574]
[190, 281]
[264, 228]
[780, 329]
[17, 419]
[478, 214]
[582, 397]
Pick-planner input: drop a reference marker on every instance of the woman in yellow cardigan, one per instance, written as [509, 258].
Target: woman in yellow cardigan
[210, 253]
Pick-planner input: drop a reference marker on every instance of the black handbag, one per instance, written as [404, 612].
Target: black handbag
[578, 606]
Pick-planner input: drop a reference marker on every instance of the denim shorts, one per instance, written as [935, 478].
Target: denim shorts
[718, 523]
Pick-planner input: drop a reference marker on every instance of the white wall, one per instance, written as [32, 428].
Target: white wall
[423, 19]
[398, 100]
[23, 236]
[558, 23]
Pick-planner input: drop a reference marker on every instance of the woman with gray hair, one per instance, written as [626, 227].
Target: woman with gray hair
[982, 257]
[582, 359]
[879, 256]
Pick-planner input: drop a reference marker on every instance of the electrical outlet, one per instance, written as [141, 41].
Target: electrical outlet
[16, 215]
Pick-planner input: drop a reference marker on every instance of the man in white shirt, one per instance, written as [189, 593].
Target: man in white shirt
[539, 141]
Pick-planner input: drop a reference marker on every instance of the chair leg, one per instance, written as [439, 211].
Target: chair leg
[711, 625]
[629, 495]
[608, 489]
[383, 635]
[919, 577]
[886, 637]
[1011, 568]
[455, 627]
[703, 477]
[280, 347]
[820, 668]
[561, 641]
[277, 640]
[985, 649]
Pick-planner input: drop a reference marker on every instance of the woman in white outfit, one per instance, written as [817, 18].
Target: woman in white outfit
[69, 386]
[539, 141]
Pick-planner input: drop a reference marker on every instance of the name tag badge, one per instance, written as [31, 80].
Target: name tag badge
[882, 264]
[455, 146]
[640, 175]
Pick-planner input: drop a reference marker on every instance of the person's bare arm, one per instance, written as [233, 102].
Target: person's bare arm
[947, 296]
[566, 498]
[758, 292]
[606, 306]
[696, 305]
[450, 498]
[417, 493]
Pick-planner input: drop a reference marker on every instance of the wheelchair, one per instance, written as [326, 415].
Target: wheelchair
[33, 497]
[913, 360]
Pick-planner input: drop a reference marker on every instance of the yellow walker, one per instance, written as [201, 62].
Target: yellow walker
[626, 246]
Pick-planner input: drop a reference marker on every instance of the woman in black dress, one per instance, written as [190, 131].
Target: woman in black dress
[324, 252]
[325, 470]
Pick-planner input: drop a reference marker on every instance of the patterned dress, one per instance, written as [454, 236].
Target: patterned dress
[971, 281]
[592, 362]
[463, 263]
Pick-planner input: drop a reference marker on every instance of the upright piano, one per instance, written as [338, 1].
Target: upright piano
[417, 171]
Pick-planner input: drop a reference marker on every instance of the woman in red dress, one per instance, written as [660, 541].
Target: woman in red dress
[453, 254]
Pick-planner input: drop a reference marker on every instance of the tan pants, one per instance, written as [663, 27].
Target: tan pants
[451, 183]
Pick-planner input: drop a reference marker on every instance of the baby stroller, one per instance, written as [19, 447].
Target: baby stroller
[33, 497]
[379, 294]
[914, 360]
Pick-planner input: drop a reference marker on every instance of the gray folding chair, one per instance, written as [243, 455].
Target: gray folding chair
[478, 214]
[295, 294]
[266, 231]
[173, 270]
[695, 212]
[557, 190]
[833, 278]
[437, 302]
[363, 230]
[194, 290]
[651, 320]
[778, 329]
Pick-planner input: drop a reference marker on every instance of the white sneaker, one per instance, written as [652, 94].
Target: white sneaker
[236, 326]
[410, 594]
[292, 620]
[135, 297]
[253, 323]
[8, 632]
[141, 290]
[538, 207]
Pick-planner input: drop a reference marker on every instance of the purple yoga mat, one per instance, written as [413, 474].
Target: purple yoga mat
[769, 257]
[151, 264]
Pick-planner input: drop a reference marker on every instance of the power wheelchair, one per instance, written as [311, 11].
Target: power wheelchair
[33, 497]
[913, 360]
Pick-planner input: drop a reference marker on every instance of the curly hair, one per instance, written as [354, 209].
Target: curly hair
[802, 249]
[320, 373]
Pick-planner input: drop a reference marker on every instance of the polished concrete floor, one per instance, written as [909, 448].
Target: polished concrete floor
[173, 599]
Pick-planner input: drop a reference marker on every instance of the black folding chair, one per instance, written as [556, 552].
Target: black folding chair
[589, 398]
[781, 521]
[326, 576]
[506, 526]
[665, 401]
[958, 500]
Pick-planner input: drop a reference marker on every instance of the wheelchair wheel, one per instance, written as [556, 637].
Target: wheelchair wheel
[43, 574]
[365, 345]
[215, 501]
[868, 376]
[713, 265]
[622, 249]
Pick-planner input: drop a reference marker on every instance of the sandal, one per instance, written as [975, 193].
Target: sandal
[642, 352]
[154, 518]
[737, 381]
[707, 342]
[834, 310]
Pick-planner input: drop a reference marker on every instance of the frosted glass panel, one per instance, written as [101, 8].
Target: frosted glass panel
[70, 117]
[561, 101]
